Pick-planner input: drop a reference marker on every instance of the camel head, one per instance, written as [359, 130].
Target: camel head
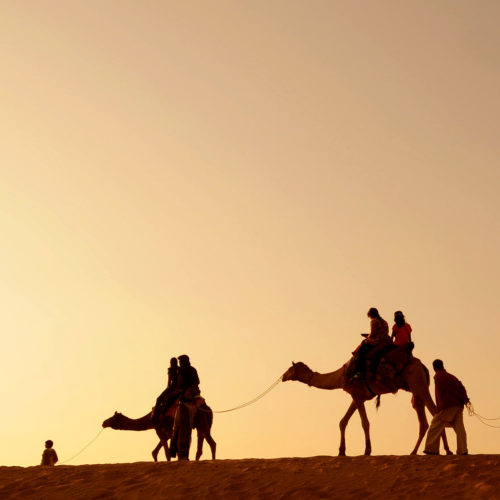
[113, 421]
[298, 371]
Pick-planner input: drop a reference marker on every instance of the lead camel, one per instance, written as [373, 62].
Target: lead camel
[414, 378]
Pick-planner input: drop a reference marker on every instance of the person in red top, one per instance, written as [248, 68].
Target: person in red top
[401, 331]
[451, 397]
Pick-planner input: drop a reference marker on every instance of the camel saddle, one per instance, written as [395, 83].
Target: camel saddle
[390, 367]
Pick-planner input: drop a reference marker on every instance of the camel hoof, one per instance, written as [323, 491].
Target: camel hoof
[341, 453]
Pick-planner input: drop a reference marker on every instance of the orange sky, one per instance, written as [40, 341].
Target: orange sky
[241, 181]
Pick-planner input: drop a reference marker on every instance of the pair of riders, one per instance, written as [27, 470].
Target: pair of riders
[378, 342]
[183, 385]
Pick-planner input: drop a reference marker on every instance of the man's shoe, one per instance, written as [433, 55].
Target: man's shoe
[431, 452]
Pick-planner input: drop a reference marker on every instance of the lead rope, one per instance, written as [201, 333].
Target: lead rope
[472, 413]
[254, 400]
[83, 449]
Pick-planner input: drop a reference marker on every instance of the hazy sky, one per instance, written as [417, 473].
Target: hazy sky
[241, 181]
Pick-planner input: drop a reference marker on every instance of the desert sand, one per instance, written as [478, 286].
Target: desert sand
[387, 477]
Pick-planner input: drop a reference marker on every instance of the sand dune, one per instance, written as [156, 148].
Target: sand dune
[388, 477]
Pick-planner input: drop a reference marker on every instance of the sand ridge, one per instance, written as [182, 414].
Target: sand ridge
[388, 477]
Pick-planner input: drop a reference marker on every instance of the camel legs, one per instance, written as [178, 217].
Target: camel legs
[199, 448]
[210, 440]
[211, 443]
[445, 443]
[419, 406]
[343, 424]
[156, 451]
[360, 404]
[164, 437]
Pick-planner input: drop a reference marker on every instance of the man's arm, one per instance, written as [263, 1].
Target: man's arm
[462, 393]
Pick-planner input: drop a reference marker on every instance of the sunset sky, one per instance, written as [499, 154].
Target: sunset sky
[241, 181]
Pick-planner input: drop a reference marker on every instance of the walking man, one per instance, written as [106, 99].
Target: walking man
[451, 397]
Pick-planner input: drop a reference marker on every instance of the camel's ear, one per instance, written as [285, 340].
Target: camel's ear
[293, 363]
[116, 413]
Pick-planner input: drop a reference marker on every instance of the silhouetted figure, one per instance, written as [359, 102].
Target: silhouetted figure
[376, 342]
[187, 380]
[451, 397]
[401, 330]
[188, 387]
[167, 397]
[49, 455]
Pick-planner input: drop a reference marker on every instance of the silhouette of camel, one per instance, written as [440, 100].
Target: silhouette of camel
[202, 423]
[414, 378]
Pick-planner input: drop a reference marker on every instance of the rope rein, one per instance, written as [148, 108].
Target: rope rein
[83, 449]
[472, 413]
[254, 400]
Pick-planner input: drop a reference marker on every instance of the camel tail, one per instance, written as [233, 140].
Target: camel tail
[377, 402]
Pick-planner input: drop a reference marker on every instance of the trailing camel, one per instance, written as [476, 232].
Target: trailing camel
[414, 378]
[202, 422]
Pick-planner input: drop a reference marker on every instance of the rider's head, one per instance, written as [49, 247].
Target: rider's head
[184, 360]
[173, 362]
[373, 313]
[399, 318]
[437, 364]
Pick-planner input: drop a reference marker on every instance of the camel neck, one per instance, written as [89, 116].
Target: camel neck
[329, 381]
[136, 424]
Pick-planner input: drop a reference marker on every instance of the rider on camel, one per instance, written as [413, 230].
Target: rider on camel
[401, 331]
[188, 388]
[188, 381]
[373, 346]
[169, 394]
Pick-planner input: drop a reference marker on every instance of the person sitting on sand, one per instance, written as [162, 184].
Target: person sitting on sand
[168, 395]
[451, 397]
[49, 455]
[374, 345]
[401, 330]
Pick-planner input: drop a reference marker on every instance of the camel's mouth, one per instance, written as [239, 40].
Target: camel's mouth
[109, 422]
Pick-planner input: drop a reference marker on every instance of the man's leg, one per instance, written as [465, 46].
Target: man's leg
[434, 434]
[175, 432]
[458, 426]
